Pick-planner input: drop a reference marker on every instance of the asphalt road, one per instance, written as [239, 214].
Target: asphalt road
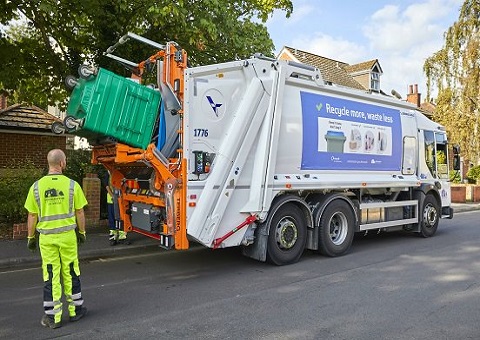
[390, 286]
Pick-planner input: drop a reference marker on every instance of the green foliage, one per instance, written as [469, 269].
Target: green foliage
[441, 157]
[78, 161]
[17, 178]
[473, 173]
[455, 176]
[14, 186]
[51, 38]
[454, 72]
[79, 164]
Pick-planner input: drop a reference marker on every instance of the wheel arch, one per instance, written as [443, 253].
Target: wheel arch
[428, 189]
[281, 200]
[258, 250]
[319, 203]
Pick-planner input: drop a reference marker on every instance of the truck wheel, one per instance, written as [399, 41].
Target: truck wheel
[430, 215]
[336, 229]
[287, 235]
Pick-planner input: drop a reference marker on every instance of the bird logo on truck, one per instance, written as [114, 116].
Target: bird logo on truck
[214, 106]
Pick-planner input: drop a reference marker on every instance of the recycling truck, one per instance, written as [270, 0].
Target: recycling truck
[258, 153]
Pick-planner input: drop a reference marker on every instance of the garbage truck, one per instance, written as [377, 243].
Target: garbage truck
[258, 153]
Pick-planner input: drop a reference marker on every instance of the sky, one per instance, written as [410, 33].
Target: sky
[401, 34]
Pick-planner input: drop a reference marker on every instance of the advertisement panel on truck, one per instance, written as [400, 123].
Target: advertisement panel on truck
[341, 134]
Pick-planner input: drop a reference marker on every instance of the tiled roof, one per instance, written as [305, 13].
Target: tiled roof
[333, 71]
[428, 108]
[22, 117]
[364, 66]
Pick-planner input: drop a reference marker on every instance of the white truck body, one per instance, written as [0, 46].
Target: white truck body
[263, 154]
[265, 124]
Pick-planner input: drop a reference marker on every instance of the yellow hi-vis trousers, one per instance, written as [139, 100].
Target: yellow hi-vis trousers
[60, 260]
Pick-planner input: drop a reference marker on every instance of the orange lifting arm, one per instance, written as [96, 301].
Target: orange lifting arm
[181, 241]
[175, 63]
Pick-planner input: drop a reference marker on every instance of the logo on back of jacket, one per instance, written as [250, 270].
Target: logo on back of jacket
[54, 196]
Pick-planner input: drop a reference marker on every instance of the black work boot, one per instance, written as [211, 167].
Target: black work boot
[49, 321]
[79, 313]
[112, 238]
[124, 241]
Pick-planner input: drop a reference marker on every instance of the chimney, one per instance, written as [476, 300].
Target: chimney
[413, 96]
[3, 101]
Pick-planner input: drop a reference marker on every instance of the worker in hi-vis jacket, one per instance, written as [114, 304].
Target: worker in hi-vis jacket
[55, 209]
[116, 233]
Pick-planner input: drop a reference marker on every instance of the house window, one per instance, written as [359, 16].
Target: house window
[375, 81]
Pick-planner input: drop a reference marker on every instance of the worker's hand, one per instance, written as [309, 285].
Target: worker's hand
[81, 237]
[32, 243]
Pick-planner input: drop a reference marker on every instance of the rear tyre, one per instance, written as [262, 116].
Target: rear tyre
[430, 215]
[336, 229]
[287, 235]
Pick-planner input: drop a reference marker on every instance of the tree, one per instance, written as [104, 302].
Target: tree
[45, 40]
[454, 71]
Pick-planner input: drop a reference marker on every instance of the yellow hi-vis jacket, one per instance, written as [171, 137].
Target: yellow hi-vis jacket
[54, 198]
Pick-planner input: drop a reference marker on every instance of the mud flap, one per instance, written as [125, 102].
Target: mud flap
[258, 250]
[447, 212]
[420, 197]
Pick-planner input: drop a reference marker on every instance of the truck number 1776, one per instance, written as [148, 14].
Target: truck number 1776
[200, 132]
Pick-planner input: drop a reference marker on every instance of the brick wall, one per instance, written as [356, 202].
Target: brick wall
[18, 146]
[91, 187]
[459, 193]
[476, 193]
[465, 193]
[20, 231]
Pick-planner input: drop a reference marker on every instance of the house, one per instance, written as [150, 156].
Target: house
[25, 134]
[414, 97]
[367, 74]
[363, 76]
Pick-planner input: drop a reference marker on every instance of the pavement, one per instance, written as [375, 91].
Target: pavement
[14, 253]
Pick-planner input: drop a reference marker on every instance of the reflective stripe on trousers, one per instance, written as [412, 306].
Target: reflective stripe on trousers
[60, 261]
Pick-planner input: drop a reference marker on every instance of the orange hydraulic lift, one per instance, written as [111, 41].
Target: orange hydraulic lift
[169, 177]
